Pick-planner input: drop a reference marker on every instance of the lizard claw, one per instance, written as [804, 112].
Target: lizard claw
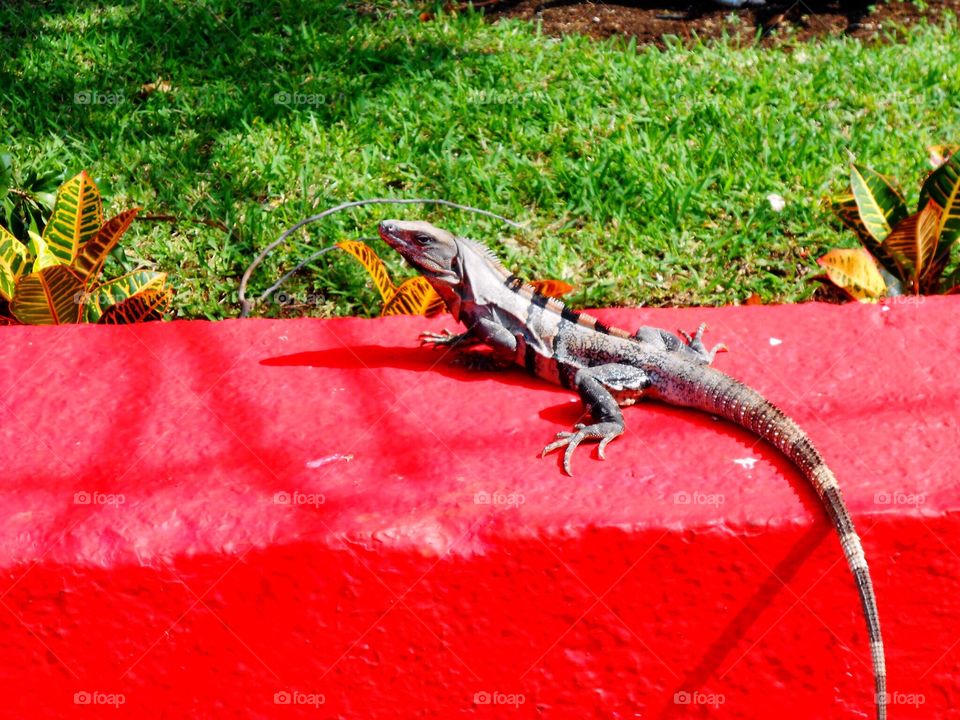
[437, 339]
[605, 432]
[695, 343]
[696, 337]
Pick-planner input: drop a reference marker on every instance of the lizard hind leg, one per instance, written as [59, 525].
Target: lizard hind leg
[692, 348]
[595, 385]
[695, 344]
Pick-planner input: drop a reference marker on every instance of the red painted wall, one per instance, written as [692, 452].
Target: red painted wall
[208, 519]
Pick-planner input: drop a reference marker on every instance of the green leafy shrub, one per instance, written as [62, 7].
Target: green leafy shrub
[902, 252]
[54, 278]
[25, 201]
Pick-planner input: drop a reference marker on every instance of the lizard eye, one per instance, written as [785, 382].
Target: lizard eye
[422, 239]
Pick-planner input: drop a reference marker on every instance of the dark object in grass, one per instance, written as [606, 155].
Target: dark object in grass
[773, 22]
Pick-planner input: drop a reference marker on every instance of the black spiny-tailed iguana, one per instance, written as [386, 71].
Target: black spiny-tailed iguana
[610, 368]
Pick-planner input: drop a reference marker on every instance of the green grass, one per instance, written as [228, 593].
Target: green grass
[643, 173]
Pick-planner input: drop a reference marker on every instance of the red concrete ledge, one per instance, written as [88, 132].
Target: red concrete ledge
[320, 519]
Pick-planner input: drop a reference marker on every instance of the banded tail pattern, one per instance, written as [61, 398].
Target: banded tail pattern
[734, 401]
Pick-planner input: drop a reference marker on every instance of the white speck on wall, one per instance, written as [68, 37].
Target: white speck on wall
[320, 462]
[283, 338]
[746, 463]
[775, 341]
[777, 203]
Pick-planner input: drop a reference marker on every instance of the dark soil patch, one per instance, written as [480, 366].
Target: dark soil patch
[774, 23]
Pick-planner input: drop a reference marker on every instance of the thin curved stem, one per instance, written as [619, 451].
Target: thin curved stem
[247, 305]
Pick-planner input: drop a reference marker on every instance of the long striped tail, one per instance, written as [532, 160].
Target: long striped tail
[715, 392]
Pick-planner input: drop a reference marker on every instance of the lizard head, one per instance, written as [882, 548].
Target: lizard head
[431, 251]
[459, 269]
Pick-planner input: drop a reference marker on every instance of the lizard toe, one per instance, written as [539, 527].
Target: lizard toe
[604, 432]
[563, 438]
[601, 448]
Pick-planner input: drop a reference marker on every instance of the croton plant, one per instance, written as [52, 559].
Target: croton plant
[55, 278]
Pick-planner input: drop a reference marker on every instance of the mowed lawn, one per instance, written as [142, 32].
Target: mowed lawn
[643, 173]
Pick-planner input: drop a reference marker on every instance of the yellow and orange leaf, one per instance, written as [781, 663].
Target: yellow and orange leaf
[51, 296]
[373, 265]
[415, 296]
[40, 253]
[93, 253]
[147, 305]
[435, 306]
[942, 186]
[845, 208]
[913, 243]
[855, 272]
[77, 217]
[120, 290]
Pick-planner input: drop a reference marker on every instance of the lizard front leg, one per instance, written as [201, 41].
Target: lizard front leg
[594, 385]
[485, 332]
[448, 339]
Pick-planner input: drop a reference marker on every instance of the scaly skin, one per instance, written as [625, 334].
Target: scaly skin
[611, 368]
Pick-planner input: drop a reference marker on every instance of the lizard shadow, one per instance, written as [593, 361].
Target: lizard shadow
[564, 414]
[734, 634]
[415, 359]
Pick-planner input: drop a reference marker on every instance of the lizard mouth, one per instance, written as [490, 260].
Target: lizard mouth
[402, 240]
[393, 236]
[398, 240]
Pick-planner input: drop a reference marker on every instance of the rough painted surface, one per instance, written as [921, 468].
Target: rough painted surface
[197, 517]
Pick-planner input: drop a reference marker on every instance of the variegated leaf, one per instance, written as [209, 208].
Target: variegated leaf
[373, 265]
[150, 304]
[943, 187]
[415, 296]
[101, 298]
[879, 202]
[435, 306]
[93, 253]
[913, 243]
[855, 272]
[77, 217]
[51, 296]
[40, 254]
[14, 260]
[845, 208]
